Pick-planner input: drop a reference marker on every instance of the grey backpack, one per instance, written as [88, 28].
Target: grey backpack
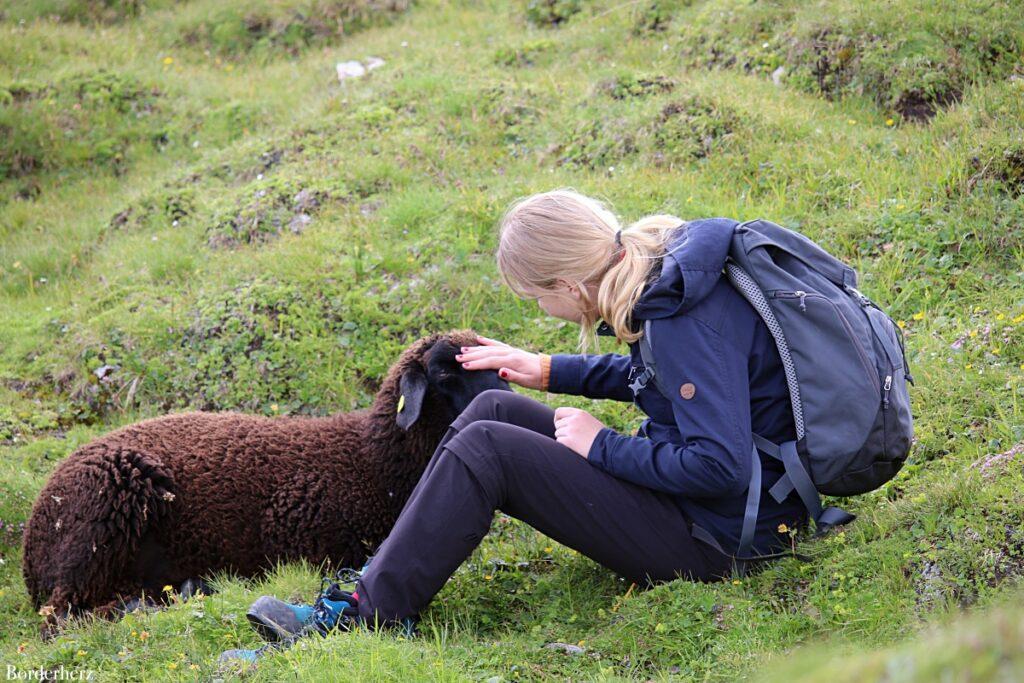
[845, 366]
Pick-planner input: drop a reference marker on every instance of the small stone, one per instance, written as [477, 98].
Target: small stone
[778, 74]
[299, 222]
[565, 647]
[305, 201]
[350, 69]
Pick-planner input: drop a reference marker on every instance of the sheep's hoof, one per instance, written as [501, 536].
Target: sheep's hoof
[191, 587]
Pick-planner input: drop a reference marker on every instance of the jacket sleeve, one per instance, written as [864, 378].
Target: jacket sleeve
[591, 375]
[714, 458]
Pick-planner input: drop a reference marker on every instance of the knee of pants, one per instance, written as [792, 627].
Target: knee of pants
[476, 447]
[482, 407]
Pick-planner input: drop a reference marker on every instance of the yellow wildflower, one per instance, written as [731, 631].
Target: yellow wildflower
[973, 333]
[172, 665]
[194, 667]
[919, 315]
[851, 121]
[548, 549]
[999, 316]
[144, 635]
[890, 122]
[969, 366]
[736, 582]
[995, 351]
[168, 60]
[273, 406]
[487, 577]
[17, 264]
[229, 67]
[168, 588]
[901, 324]
[80, 653]
[1018, 319]
[783, 528]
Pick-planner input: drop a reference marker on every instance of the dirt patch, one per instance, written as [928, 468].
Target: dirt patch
[914, 105]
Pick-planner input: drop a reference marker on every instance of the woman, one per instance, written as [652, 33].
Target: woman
[628, 502]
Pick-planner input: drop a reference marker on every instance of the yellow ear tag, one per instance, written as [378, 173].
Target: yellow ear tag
[401, 403]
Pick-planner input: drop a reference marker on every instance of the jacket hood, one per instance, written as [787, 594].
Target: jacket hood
[691, 267]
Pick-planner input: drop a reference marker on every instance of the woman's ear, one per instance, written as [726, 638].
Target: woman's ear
[572, 289]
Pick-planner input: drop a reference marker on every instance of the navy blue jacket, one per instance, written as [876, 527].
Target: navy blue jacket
[705, 334]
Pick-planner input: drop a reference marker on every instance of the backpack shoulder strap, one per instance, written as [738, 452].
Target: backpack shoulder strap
[650, 371]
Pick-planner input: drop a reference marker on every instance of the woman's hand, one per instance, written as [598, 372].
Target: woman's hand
[576, 428]
[515, 365]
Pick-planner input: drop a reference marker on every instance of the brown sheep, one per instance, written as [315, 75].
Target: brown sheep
[176, 497]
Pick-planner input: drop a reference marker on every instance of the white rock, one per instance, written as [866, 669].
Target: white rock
[778, 74]
[356, 69]
[351, 69]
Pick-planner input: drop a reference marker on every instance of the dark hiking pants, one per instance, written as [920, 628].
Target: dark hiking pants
[501, 454]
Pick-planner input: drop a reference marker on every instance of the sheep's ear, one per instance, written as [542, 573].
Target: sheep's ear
[413, 387]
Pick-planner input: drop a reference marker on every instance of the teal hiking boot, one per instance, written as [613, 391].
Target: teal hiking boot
[277, 620]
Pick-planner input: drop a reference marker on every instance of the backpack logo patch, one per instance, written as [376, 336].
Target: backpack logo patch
[687, 391]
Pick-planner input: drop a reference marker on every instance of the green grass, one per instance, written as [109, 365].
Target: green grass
[148, 223]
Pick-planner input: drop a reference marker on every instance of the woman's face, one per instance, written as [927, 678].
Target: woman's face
[564, 302]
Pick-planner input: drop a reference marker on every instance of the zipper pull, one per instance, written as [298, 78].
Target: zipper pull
[886, 387]
[803, 299]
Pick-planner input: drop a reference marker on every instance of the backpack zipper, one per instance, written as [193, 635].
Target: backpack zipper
[887, 387]
[870, 369]
[798, 294]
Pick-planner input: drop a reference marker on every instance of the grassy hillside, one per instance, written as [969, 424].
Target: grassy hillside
[195, 213]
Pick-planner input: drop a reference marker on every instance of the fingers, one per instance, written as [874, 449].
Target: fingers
[490, 342]
[564, 411]
[484, 361]
[513, 376]
[476, 352]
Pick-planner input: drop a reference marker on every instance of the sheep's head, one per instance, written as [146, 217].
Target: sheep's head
[429, 368]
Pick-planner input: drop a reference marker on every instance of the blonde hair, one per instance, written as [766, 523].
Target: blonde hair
[564, 235]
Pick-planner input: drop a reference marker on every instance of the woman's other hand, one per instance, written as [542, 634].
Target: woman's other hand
[515, 365]
[576, 428]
